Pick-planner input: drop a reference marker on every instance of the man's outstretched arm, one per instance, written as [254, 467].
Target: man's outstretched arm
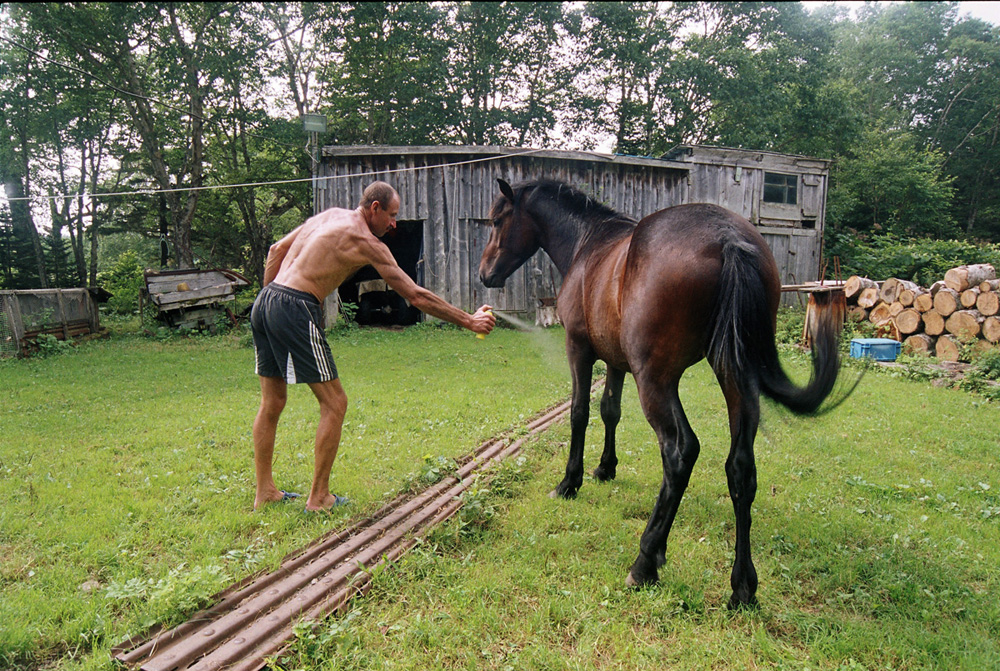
[427, 301]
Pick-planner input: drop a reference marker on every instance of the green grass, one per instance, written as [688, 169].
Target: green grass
[126, 459]
[875, 536]
[875, 527]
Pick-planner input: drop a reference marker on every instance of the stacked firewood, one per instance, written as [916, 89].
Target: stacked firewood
[963, 307]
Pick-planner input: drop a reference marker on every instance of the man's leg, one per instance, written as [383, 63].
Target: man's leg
[332, 408]
[273, 395]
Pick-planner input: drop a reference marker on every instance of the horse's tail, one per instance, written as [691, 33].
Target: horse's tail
[743, 347]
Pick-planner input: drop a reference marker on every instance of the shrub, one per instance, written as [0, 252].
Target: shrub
[923, 261]
[124, 280]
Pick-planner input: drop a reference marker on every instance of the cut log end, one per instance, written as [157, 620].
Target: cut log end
[919, 343]
[933, 323]
[946, 301]
[988, 303]
[963, 277]
[991, 329]
[948, 348]
[909, 321]
[868, 298]
[855, 285]
[965, 324]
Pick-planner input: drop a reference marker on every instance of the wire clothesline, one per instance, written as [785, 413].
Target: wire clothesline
[184, 189]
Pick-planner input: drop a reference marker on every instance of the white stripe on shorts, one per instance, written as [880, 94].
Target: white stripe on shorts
[319, 354]
[290, 370]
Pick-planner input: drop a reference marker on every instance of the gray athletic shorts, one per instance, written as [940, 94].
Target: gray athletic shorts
[288, 336]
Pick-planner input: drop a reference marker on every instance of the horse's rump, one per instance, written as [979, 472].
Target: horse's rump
[674, 280]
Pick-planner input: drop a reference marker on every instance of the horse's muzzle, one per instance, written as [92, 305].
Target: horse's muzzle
[491, 280]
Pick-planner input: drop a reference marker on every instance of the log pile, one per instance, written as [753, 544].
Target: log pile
[938, 320]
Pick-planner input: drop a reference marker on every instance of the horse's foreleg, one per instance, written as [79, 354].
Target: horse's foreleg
[581, 362]
[741, 471]
[679, 451]
[611, 413]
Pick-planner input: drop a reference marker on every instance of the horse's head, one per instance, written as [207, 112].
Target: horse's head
[513, 240]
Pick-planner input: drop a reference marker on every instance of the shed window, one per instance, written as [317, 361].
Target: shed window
[781, 188]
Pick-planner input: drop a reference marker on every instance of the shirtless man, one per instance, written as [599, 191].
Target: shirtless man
[301, 269]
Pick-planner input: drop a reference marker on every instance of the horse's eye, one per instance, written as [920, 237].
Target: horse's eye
[497, 222]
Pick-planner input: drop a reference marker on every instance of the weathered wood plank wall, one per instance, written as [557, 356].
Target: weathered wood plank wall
[734, 179]
[453, 202]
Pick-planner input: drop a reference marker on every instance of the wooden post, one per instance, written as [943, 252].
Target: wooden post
[17, 322]
[94, 313]
[62, 314]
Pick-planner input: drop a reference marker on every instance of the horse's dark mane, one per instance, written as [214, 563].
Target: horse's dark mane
[601, 221]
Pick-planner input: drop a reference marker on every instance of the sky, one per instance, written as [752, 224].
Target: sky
[987, 11]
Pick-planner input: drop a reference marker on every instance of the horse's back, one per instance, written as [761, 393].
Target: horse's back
[672, 279]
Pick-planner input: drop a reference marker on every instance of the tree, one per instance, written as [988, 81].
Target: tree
[505, 78]
[383, 80]
[962, 119]
[17, 146]
[248, 147]
[624, 89]
[149, 52]
[889, 184]
[924, 69]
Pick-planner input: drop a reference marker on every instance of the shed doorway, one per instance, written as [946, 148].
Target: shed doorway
[377, 304]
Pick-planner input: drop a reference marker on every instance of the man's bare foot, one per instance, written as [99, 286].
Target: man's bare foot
[273, 497]
[327, 503]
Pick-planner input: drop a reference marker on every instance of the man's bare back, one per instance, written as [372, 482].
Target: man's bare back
[326, 250]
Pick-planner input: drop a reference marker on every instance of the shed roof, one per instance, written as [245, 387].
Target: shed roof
[489, 152]
[705, 153]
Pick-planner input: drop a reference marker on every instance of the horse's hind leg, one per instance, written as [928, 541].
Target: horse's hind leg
[679, 451]
[611, 413]
[581, 362]
[741, 471]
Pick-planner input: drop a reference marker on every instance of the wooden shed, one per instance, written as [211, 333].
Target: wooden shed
[64, 313]
[446, 193]
[191, 297]
[783, 194]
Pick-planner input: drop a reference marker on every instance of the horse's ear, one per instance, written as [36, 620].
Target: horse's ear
[505, 189]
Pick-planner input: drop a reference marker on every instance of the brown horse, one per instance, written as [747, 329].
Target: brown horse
[653, 298]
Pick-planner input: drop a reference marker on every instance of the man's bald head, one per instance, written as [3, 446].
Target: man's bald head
[378, 192]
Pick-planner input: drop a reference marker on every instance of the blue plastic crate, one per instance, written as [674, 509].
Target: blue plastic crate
[880, 349]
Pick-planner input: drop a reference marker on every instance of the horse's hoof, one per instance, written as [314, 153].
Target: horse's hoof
[637, 583]
[563, 491]
[602, 474]
[747, 602]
